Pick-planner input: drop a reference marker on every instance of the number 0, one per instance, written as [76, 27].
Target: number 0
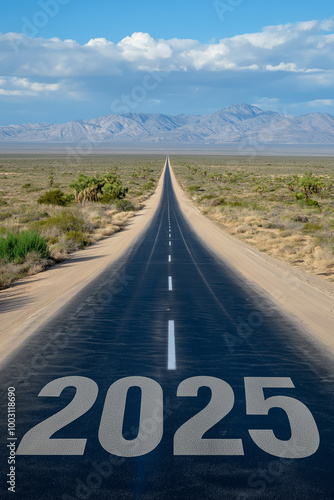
[150, 423]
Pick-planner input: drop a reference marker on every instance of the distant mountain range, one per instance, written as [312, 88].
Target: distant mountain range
[241, 123]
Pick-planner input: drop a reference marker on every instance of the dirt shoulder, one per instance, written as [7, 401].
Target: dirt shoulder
[308, 298]
[29, 302]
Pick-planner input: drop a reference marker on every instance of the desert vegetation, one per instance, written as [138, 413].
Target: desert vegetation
[282, 206]
[51, 206]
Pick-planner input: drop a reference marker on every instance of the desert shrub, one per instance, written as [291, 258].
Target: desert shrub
[256, 206]
[77, 237]
[237, 203]
[107, 198]
[16, 246]
[10, 271]
[273, 225]
[125, 206]
[3, 202]
[63, 222]
[312, 203]
[32, 214]
[52, 240]
[194, 188]
[311, 227]
[261, 189]
[148, 186]
[69, 198]
[53, 197]
[113, 190]
[206, 197]
[243, 228]
[216, 202]
[300, 218]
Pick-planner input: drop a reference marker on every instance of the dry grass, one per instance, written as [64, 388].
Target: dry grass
[251, 198]
[10, 272]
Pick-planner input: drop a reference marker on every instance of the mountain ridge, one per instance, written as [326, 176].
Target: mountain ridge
[238, 123]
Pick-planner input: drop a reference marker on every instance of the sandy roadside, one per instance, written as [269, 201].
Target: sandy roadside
[29, 302]
[308, 298]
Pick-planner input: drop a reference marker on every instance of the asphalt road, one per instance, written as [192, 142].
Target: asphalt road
[169, 377]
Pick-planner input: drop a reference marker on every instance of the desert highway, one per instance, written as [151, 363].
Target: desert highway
[170, 377]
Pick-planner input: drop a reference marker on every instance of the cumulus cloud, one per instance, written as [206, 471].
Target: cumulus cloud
[280, 62]
[291, 47]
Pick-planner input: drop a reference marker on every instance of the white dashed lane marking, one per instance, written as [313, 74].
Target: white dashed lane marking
[171, 346]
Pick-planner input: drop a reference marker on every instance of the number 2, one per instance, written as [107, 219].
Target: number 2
[38, 440]
[188, 438]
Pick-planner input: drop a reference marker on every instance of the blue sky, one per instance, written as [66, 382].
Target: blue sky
[170, 57]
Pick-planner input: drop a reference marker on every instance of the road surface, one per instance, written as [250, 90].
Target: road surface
[168, 377]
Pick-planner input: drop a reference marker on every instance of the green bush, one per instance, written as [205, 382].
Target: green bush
[312, 203]
[125, 206]
[64, 222]
[311, 227]
[53, 197]
[237, 203]
[148, 186]
[16, 246]
[5, 216]
[78, 237]
[107, 198]
[194, 188]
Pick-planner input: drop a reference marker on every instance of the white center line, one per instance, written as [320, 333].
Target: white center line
[170, 286]
[171, 346]
[169, 258]
[170, 243]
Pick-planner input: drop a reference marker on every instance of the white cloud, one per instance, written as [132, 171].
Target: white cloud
[292, 62]
[98, 43]
[291, 67]
[11, 93]
[292, 47]
[14, 86]
[142, 45]
[320, 102]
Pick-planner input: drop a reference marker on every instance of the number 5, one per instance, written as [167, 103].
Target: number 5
[304, 440]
